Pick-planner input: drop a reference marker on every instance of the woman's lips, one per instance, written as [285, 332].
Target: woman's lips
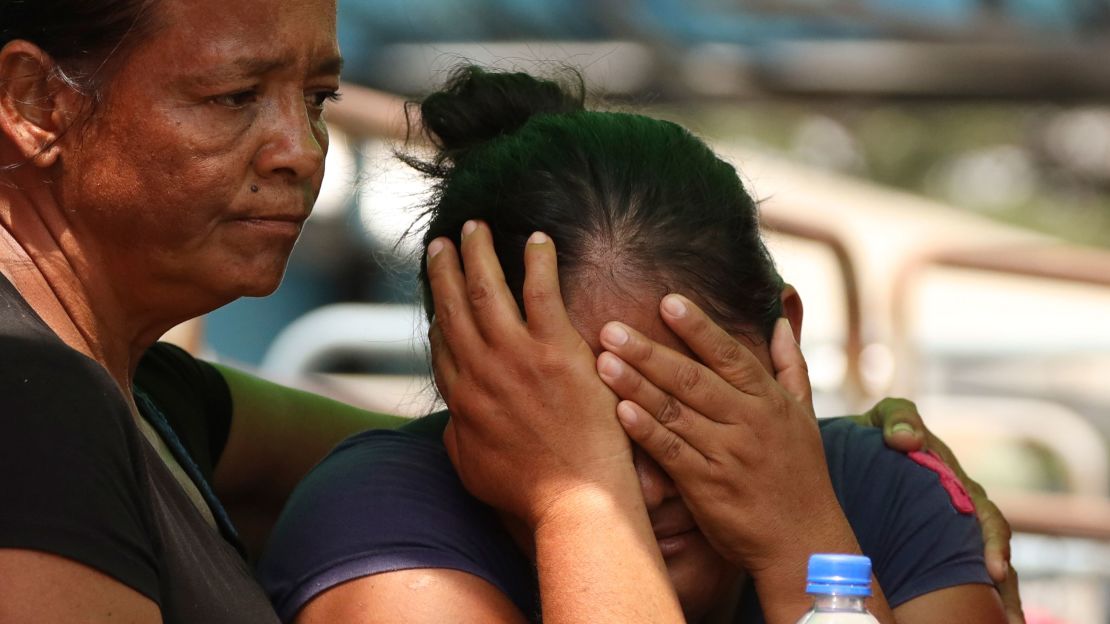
[674, 527]
[674, 543]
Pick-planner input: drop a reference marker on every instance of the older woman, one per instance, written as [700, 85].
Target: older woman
[160, 158]
[157, 160]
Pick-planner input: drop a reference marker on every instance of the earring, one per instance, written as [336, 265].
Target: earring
[254, 188]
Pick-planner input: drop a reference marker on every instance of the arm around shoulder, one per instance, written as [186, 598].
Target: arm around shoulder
[928, 553]
[277, 434]
[963, 603]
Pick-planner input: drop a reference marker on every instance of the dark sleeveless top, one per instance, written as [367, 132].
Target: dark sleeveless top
[78, 479]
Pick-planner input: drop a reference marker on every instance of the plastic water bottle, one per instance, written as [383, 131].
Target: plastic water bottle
[839, 584]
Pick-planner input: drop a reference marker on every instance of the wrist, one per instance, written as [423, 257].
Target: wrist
[583, 502]
[780, 581]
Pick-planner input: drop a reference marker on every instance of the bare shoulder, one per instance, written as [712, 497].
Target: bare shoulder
[46, 588]
[420, 596]
[962, 603]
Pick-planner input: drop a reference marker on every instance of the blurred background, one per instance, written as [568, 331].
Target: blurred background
[935, 179]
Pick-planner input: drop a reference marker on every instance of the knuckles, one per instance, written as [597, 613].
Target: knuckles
[480, 291]
[536, 297]
[730, 354]
[448, 311]
[669, 411]
[671, 449]
[894, 406]
[688, 378]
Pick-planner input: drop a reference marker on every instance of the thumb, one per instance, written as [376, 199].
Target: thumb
[791, 370]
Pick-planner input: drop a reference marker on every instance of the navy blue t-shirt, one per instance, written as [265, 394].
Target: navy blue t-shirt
[390, 500]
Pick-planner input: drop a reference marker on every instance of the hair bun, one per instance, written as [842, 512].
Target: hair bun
[477, 106]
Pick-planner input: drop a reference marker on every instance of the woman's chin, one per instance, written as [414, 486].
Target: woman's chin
[701, 577]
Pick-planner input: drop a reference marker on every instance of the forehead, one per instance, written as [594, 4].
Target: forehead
[193, 35]
[636, 305]
[591, 307]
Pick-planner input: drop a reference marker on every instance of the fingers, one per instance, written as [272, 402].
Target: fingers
[453, 316]
[791, 370]
[903, 429]
[444, 369]
[1011, 598]
[493, 309]
[673, 453]
[665, 409]
[996, 538]
[543, 303]
[673, 373]
[731, 360]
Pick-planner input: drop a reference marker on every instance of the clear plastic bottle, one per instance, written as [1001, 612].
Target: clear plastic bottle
[839, 584]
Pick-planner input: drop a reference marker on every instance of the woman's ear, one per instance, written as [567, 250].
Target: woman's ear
[792, 310]
[36, 107]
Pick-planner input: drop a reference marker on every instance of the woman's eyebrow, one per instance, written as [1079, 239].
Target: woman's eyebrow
[330, 66]
[252, 66]
[247, 67]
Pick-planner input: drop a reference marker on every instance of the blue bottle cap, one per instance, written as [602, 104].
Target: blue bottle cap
[839, 575]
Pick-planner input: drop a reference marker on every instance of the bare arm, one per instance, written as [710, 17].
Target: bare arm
[574, 586]
[48, 589]
[422, 596]
[964, 603]
[277, 435]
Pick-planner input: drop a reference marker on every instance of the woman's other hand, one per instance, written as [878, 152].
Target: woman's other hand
[530, 420]
[743, 449]
[904, 430]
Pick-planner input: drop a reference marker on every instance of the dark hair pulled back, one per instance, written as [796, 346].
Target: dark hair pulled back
[82, 36]
[477, 106]
[630, 201]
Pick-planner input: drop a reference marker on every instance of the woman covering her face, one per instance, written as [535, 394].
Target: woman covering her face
[730, 482]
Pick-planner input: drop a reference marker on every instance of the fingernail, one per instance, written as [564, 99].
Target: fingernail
[469, 227]
[673, 305]
[608, 365]
[538, 238]
[627, 414]
[614, 335]
[435, 247]
[902, 428]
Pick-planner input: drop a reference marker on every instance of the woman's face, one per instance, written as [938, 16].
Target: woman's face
[191, 183]
[701, 577]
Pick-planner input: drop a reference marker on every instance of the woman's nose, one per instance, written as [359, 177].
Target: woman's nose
[295, 143]
[655, 484]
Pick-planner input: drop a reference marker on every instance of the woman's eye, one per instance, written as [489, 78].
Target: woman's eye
[317, 99]
[239, 99]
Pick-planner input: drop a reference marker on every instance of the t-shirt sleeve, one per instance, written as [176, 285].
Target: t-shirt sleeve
[902, 516]
[386, 501]
[68, 485]
[194, 398]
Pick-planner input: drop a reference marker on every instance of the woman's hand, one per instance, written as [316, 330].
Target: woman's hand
[744, 451]
[904, 430]
[530, 420]
[532, 433]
